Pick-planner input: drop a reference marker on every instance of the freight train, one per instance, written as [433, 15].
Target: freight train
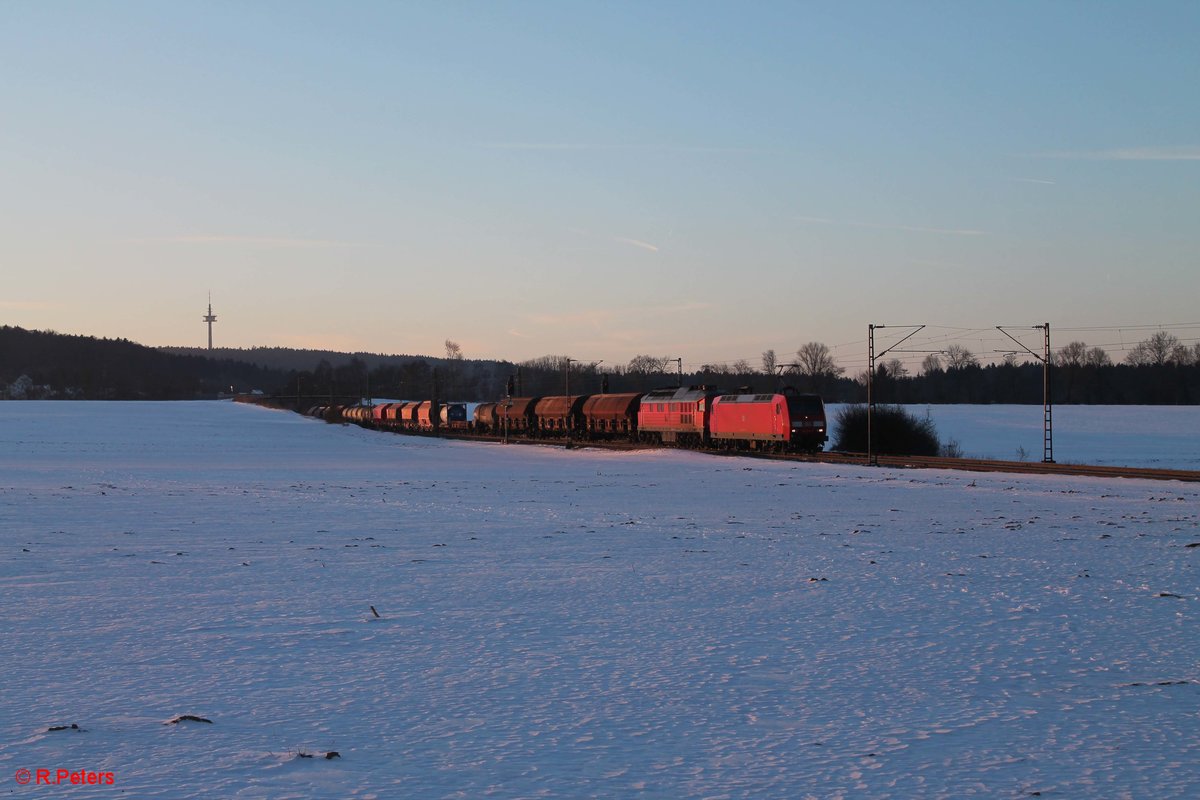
[694, 416]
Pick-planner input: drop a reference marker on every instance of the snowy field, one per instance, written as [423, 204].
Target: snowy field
[1163, 437]
[575, 624]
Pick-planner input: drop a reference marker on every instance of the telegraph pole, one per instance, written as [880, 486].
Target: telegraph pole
[508, 396]
[870, 384]
[1047, 405]
[567, 391]
[871, 356]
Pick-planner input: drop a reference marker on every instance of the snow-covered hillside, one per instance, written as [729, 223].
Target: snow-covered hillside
[575, 624]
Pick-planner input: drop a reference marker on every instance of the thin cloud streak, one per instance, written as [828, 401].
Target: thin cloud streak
[922, 262]
[268, 241]
[585, 146]
[1187, 153]
[1035, 180]
[538, 146]
[638, 243]
[644, 245]
[678, 308]
[886, 227]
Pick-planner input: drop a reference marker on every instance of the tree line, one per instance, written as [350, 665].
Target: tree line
[34, 364]
[1159, 370]
[37, 365]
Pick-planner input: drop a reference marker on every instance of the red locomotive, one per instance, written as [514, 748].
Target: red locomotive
[676, 416]
[787, 420]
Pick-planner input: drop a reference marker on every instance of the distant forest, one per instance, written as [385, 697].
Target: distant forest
[47, 365]
[1121, 384]
[38, 365]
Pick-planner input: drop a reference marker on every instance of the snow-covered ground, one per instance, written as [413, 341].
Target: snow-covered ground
[575, 624]
[1166, 437]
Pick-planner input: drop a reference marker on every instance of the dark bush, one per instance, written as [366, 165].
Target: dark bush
[894, 431]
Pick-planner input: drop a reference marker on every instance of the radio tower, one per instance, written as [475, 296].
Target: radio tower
[210, 318]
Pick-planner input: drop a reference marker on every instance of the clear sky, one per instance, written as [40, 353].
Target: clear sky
[601, 179]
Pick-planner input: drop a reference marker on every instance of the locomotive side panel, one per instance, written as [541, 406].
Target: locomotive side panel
[786, 420]
[676, 415]
[750, 418]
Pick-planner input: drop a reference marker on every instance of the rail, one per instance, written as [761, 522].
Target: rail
[849, 459]
[897, 462]
[992, 465]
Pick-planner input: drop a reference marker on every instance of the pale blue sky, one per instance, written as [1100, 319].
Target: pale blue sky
[705, 180]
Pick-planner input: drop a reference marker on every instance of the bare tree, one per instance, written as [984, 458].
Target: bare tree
[1072, 355]
[546, 363]
[1155, 351]
[816, 364]
[814, 360]
[1139, 356]
[769, 362]
[645, 364]
[1183, 355]
[894, 368]
[453, 370]
[741, 367]
[1096, 357]
[931, 363]
[959, 357]
[1075, 357]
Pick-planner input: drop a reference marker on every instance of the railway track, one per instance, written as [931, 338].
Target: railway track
[992, 465]
[899, 462]
[852, 459]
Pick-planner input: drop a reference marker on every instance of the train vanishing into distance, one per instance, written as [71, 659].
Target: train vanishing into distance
[695, 416]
